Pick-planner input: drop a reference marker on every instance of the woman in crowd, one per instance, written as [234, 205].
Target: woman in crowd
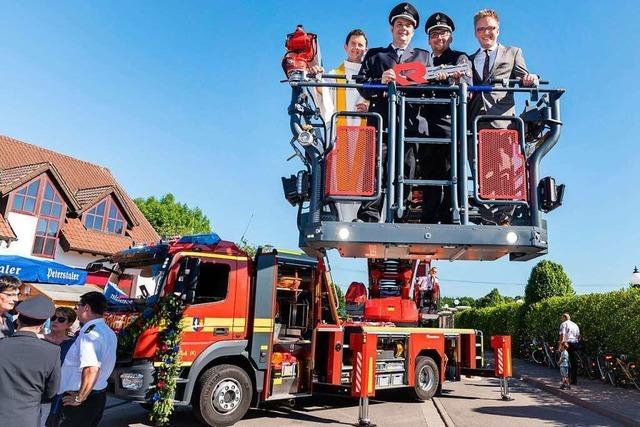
[61, 334]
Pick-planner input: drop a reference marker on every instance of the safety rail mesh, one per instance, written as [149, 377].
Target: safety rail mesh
[350, 166]
[501, 165]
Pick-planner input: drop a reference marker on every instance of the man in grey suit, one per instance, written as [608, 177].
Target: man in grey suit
[495, 61]
[29, 366]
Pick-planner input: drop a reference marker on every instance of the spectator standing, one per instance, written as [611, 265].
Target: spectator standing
[88, 364]
[29, 366]
[60, 335]
[9, 294]
[570, 335]
[564, 366]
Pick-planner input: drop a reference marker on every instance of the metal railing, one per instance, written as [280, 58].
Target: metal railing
[305, 117]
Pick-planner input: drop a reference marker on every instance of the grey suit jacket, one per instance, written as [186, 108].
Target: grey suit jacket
[509, 64]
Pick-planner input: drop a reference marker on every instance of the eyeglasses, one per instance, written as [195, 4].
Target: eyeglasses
[11, 294]
[436, 34]
[483, 29]
[59, 319]
[79, 305]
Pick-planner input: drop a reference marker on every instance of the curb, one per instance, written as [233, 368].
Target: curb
[623, 419]
[446, 419]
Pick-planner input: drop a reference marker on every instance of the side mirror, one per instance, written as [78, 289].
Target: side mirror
[551, 195]
[188, 297]
[94, 267]
[188, 275]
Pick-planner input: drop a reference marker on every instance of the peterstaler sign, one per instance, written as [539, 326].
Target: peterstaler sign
[41, 271]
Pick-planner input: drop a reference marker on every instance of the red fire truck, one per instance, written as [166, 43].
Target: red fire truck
[266, 328]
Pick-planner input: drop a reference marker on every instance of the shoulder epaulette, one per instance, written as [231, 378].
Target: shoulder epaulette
[89, 329]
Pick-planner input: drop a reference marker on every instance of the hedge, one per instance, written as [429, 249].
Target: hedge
[609, 319]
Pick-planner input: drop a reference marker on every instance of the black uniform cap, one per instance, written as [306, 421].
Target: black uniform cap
[406, 11]
[439, 20]
[37, 308]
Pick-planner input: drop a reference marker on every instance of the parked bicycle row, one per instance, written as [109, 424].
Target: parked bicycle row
[609, 367]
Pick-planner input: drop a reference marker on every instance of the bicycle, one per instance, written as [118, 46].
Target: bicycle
[625, 372]
[605, 364]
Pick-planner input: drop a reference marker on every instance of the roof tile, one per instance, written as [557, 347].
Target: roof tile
[6, 233]
[86, 182]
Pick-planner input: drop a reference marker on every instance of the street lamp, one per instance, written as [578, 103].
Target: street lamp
[635, 278]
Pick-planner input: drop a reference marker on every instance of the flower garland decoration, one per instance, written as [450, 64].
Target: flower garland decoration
[168, 314]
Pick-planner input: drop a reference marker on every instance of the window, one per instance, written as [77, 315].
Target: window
[213, 282]
[26, 198]
[105, 216]
[50, 214]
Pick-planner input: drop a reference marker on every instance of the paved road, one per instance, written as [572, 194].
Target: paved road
[476, 402]
[395, 410]
[471, 402]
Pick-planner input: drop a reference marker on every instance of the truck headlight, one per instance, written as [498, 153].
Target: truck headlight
[131, 381]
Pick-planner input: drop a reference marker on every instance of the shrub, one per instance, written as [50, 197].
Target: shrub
[611, 320]
[547, 280]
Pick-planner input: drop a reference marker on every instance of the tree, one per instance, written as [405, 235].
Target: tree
[341, 301]
[548, 279]
[491, 299]
[247, 247]
[170, 218]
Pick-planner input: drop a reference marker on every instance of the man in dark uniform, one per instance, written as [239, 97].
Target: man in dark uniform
[377, 67]
[29, 366]
[435, 159]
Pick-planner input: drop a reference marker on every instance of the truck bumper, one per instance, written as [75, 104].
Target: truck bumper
[133, 381]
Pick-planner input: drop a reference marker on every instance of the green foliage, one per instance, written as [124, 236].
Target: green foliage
[341, 301]
[247, 247]
[492, 299]
[610, 319]
[450, 301]
[502, 319]
[547, 280]
[170, 218]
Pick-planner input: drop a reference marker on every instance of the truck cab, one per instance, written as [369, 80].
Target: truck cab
[250, 320]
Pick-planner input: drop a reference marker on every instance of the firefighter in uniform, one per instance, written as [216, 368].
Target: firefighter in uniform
[88, 364]
[29, 366]
[435, 160]
[377, 67]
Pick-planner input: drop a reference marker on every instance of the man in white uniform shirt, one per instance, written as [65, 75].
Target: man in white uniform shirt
[570, 335]
[88, 364]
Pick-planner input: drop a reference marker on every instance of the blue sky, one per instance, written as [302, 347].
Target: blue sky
[183, 97]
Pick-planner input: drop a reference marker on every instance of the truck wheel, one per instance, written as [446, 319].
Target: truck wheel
[223, 395]
[427, 378]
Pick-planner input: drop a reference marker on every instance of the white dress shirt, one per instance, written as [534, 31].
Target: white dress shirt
[570, 331]
[478, 61]
[95, 346]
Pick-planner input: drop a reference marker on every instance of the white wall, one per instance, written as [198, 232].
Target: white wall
[74, 259]
[24, 226]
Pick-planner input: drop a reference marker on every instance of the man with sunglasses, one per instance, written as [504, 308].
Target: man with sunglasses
[29, 366]
[88, 364]
[9, 295]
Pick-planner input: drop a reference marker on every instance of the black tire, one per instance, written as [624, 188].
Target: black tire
[222, 395]
[426, 377]
[602, 368]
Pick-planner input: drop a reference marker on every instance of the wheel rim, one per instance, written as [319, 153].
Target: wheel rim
[426, 378]
[227, 396]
